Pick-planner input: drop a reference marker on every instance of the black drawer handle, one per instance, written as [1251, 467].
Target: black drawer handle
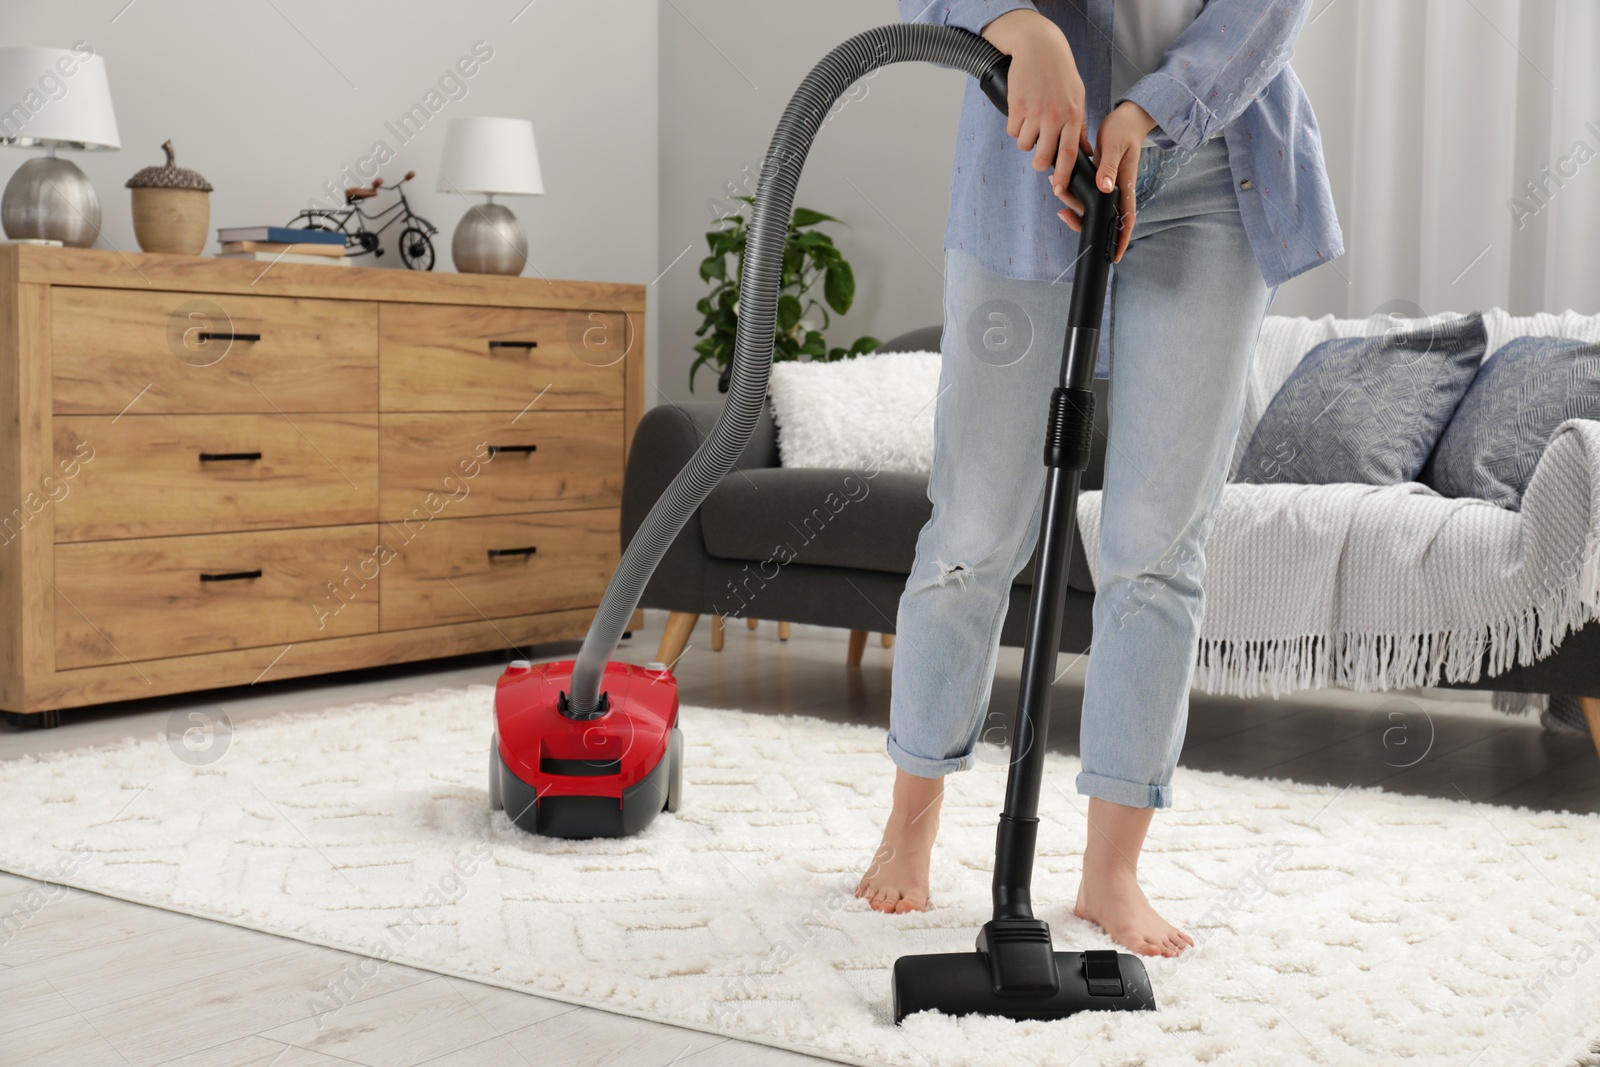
[231, 576]
[208, 335]
[495, 450]
[496, 553]
[225, 457]
[513, 344]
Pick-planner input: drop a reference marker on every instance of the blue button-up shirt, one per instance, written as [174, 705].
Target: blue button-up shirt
[1226, 74]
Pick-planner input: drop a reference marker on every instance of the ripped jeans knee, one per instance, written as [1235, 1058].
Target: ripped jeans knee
[958, 571]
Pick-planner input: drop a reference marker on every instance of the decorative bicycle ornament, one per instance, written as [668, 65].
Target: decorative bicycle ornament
[415, 243]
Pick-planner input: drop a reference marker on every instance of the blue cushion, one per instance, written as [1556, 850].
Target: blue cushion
[1519, 397]
[1366, 409]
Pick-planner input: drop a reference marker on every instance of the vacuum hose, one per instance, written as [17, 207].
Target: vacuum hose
[758, 312]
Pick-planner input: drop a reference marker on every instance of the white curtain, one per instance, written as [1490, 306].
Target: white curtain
[1463, 141]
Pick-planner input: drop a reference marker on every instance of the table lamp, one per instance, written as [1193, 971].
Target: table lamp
[57, 98]
[494, 157]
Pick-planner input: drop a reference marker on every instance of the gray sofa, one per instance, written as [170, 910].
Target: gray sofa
[849, 568]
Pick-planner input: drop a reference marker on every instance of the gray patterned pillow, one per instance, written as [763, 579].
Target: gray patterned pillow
[1519, 397]
[1366, 409]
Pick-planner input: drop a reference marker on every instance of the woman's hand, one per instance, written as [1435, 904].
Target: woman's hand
[1044, 94]
[1122, 134]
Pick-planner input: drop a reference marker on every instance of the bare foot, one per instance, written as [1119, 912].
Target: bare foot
[1117, 905]
[1109, 894]
[897, 880]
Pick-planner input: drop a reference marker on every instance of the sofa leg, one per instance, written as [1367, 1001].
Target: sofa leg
[783, 631]
[887, 640]
[752, 622]
[718, 631]
[1591, 715]
[858, 644]
[680, 624]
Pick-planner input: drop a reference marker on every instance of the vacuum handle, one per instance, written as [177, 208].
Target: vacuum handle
[1082, 183]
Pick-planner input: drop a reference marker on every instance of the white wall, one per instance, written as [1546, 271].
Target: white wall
[882, 163]
[269, 101]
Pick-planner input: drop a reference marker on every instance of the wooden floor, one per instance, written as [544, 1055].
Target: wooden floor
[87, 980]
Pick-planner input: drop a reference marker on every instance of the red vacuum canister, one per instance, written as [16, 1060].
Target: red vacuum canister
[606, 774]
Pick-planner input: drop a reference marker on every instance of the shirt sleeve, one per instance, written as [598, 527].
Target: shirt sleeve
[971, 15]
[1216, 66]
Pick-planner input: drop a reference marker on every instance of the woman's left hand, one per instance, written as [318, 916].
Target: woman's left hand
[1121, 136]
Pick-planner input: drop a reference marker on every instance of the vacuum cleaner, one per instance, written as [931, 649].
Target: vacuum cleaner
[591, 748]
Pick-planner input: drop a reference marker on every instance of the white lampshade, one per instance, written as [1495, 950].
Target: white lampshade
[56, 98]
[490, 156]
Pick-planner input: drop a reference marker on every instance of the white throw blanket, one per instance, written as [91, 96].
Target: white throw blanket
[1372, 587]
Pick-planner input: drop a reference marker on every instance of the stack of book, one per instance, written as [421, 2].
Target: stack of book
[281, 244]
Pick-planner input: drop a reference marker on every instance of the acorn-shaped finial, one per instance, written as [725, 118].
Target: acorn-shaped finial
[169, 175]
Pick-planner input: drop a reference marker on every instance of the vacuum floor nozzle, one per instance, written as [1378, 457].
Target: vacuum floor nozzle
[962, 983]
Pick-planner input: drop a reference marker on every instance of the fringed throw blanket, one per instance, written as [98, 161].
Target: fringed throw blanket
[1371, 587]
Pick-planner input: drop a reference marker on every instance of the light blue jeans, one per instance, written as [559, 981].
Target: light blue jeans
[1185, 308]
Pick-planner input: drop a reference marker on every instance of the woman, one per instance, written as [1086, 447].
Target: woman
[1202, 128]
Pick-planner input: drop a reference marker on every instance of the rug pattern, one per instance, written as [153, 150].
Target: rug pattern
[1333, 926]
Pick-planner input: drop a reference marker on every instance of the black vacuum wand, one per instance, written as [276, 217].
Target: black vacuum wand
[1016, 971]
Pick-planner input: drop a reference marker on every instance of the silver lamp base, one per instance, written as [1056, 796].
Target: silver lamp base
[49, 198]
[489, 240]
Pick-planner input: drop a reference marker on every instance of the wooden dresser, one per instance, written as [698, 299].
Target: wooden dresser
[213, 474]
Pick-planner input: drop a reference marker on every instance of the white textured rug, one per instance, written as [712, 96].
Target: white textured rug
[1352, 927]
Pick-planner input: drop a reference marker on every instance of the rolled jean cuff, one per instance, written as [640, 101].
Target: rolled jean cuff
[1120, 791]
[922, 766]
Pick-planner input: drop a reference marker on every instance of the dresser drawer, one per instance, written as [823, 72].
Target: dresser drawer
[498, 463]
[466, 570]
[178, 596]
[150, 475]
[440, 357]
[149, 352]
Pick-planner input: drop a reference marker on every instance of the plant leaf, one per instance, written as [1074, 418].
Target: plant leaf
[804, 216]
[839, 286]
[789, 312]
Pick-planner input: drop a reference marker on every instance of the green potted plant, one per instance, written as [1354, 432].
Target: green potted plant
[809, 257]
